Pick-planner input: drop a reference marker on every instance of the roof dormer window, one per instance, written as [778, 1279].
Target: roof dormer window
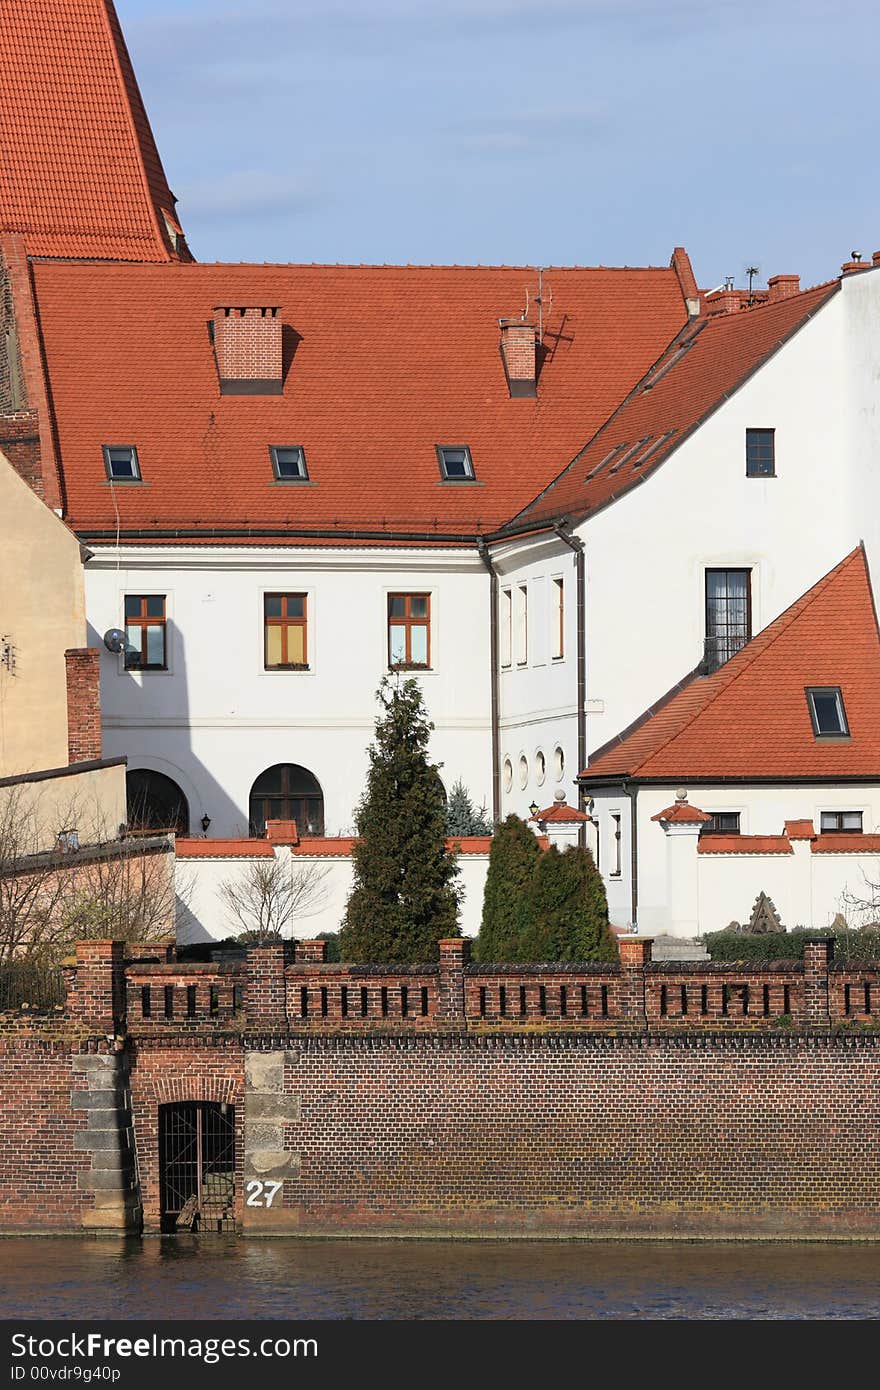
[289, 463]
[456, 465]
[121, 463]
[827, 711]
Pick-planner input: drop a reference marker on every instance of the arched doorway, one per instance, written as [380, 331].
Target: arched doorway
[287, 792]
[197, 1166]
[155, 802]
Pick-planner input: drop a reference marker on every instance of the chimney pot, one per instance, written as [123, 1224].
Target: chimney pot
[518, 353]
[247, 347]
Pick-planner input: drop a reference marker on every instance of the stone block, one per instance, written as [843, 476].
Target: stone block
[264, 1071]
[276, 1165]
[263, 1134]
[104, 1180]
[95, 1062]
[99, 1099]
[271, 1106]
[90, 1139]
[107, 1119]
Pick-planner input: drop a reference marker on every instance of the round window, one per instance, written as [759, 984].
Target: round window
[558, 763]
[508, 774]
[523, 771]
[540, 768]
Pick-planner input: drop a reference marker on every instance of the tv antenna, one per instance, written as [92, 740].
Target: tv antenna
[539, 300]
[752, 271]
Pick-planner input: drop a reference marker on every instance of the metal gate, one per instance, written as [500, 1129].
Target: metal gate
[197, 1166]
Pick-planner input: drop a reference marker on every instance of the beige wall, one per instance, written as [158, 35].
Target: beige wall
[33, 813]
[42, 609]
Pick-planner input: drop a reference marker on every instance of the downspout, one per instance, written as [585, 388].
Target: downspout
[577, 546]
[493, 678]
[633, 793]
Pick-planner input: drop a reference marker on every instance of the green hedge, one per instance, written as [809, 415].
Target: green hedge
[789, 945]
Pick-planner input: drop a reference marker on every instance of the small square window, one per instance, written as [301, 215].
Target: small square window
[760, 453]
[121, 463]
[840, 822]
[721, 823]
[289, 463]
[827, 711]
[456, 465]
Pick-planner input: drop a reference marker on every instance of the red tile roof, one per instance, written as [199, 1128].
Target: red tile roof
[744, 844]
[682, 814]
[692, 377]
[751, 718]
[800, 830]
[560, 813]
[80, 174]
[222, 849]
[846, 844]
[383, 364]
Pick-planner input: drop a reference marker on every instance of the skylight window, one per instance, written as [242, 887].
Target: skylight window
[456, 465]
[633, 449]
[827, 711]
[121, 463]
[289, 463]
[603, 461]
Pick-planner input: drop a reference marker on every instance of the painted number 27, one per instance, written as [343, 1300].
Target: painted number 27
[261, 1194]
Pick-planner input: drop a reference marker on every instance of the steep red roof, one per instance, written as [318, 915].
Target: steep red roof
[682, 813]
[709, 359]
[751, 717]
[80, 174]
[383, 363]
[561, 814]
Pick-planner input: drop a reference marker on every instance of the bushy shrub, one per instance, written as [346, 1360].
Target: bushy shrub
[513, 861]
[789, 945]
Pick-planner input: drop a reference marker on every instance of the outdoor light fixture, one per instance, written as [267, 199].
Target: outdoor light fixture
[206, 821]
[534, 808]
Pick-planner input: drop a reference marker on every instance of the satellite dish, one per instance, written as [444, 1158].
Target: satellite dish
[114, 640]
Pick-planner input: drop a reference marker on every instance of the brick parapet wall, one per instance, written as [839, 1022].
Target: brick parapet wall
[269, 993]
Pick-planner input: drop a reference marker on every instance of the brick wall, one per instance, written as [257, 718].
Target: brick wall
[247, 344]
[83, 704]
[42, 1172]
[575, 1134]
[25, 435]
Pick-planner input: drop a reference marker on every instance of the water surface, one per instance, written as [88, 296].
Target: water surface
[224, 1277]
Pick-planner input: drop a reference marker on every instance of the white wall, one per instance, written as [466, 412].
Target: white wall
[216, 719]
[538, 694]
[729, 885]
[647, 554]
[204, 916]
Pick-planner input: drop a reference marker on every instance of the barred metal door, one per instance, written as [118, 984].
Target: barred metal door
[197, 1166]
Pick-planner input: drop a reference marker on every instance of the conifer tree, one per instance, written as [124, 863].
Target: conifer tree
[568, 910]
[404, 898]
[462, 816]
[507, 908]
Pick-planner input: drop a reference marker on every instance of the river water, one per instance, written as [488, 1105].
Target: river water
[224, 1277]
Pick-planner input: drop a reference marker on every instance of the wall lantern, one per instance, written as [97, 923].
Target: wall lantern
[206, 821]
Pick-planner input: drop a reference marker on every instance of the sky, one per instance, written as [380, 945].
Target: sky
[524, 132]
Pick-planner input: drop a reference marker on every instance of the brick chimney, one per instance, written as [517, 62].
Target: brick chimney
[850, 267]
[783, 287]
[247, 346]
[83, 704]
[518, 341]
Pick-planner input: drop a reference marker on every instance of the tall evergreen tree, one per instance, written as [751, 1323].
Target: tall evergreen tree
[568, 910]
[404, 898]
[462, 816]
[513, 861]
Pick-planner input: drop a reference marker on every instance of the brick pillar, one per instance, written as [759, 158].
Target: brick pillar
[310, 952]
[97, 999]
[265, 995]
[818, 955]
[635, 954]
[455, 952]
[83, 704]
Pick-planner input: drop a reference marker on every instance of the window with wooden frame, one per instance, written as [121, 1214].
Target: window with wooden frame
[840, 823]
[558, 619]
[145, 635]
[285, 635]
[721, 823]
[409, 631]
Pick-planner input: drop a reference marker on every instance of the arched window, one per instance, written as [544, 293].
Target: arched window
[155, 802]
[287, 792]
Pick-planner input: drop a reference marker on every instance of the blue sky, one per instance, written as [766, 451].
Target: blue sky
[518, 131]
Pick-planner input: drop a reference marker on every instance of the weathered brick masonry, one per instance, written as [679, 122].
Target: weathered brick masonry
[633, 1100]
